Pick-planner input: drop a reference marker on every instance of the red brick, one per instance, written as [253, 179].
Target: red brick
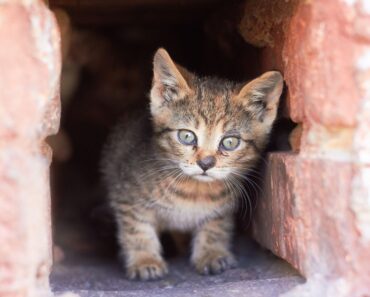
[317, 210]
[317, 54]
[308, 218]
[29, 111]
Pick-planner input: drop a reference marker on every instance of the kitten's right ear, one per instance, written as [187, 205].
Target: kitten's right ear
[261, 97]
[169, 80]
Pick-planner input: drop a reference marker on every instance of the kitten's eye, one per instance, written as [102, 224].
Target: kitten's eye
[187, 137]
[230, 143]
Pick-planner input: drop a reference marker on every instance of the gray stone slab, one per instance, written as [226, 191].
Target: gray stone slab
[259, 274]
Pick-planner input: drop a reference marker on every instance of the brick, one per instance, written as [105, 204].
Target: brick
[29, 111]
[305, 46]
[316, 213]
[295, 138]
[308, 218]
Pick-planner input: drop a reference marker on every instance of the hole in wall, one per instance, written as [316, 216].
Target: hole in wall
[106, 72]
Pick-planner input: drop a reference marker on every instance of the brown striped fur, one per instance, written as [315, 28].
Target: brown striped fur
[154, 181]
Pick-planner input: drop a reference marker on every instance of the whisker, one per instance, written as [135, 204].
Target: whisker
[157, 171]
[244, 196]
[179, 173]
[256, 187]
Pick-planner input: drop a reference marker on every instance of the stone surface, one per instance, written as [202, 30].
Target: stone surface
[317, 211]
[259, 274]
[29, 111]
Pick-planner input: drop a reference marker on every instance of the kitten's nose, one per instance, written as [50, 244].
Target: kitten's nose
[207, 162]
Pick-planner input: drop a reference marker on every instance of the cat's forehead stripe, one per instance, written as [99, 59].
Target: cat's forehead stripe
[212, 104]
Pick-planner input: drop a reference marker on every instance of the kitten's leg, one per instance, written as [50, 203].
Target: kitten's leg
[211, 246]
[139, 243]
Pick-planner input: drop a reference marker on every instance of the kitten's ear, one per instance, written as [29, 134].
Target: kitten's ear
[170, 81]
[261, 96]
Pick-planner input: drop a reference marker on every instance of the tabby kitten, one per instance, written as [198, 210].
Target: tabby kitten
[182, 170]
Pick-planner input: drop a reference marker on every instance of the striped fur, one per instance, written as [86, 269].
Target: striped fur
[154, 181]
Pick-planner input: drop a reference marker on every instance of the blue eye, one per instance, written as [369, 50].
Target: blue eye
[187, 137]
[230, 143]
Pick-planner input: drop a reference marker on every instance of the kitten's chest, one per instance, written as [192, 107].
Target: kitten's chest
[186, 205]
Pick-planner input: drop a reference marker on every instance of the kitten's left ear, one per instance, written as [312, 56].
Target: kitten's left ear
[261, 96]
[170, 81]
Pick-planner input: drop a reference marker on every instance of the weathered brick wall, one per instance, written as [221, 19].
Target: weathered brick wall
[317, 212]
[29, 111]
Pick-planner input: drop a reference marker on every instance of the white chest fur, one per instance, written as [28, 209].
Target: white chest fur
[188, 215]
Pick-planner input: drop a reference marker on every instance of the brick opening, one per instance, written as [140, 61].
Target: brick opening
[315, 209]
[107, 71]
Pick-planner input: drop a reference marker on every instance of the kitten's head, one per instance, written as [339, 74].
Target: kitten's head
[211, 128]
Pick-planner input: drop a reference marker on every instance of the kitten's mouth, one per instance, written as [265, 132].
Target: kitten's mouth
[200, 175]
[203, 177]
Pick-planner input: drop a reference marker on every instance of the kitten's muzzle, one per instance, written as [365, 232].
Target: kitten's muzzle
[207, 163]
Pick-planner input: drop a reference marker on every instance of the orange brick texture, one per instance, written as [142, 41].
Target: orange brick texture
[29, 111]
[316, 213]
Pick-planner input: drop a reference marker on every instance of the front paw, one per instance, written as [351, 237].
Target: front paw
[214, 262]
[147, 269]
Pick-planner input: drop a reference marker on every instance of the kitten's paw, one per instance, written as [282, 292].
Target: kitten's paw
[215, 262]
[147, 269]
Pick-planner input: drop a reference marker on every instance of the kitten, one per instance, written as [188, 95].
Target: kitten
[182, 170]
